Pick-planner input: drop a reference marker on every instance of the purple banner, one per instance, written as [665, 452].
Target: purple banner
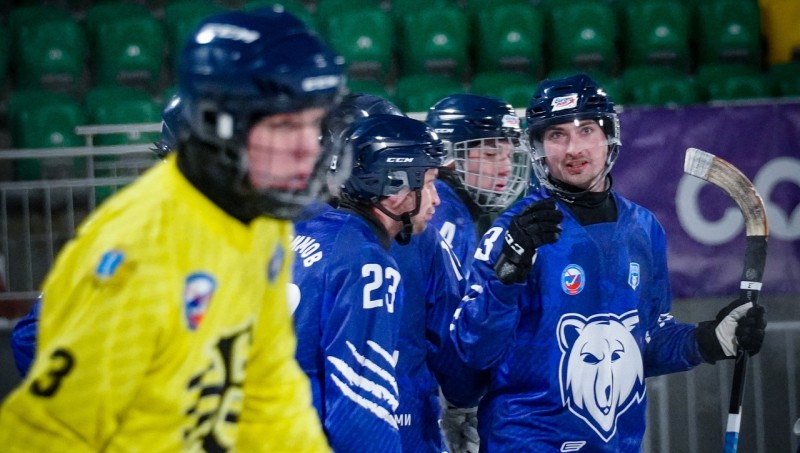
[705, 229]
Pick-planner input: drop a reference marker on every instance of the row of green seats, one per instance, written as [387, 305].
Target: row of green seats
[510, 34]
[120, 40]
[123, 39]
[636, 86]
[46, 119]
[41, 118]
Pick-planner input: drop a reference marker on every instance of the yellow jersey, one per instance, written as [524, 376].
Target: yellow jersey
[165, 327]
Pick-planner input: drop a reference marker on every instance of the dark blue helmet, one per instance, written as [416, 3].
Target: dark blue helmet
[563, 100]
[241, 67]
[468, 122]
[236, 69]
[173, 124]
[354, 106]
[462, 117]
[390, 153]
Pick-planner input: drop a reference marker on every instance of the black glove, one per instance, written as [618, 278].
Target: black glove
[736, 325]
[536, 225]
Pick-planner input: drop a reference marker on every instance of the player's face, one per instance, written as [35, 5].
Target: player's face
[488, 164]
[282, 149]
[576, 153]
[427, 203]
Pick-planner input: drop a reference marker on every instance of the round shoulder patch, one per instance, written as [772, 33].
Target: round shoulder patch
[573, 279]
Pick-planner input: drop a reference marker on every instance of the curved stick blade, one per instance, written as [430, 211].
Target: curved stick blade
[724, 175]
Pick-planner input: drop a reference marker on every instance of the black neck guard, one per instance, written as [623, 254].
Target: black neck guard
[213, 173]
[588, 207]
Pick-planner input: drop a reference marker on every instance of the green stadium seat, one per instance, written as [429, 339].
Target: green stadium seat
[728, 31]
[43, 119]
[180, 19]
[657, 32]
[293, 6]
[51, 53]
[102, 12]
[365, 38]
[127, 43]
[328, 8]
[509, 37]
[121, 105]
[513, 87]
[785, 78]
[417, 93]
[730, 81]
[434, 40]
[582, 36]
[24, 16]
[658, 86]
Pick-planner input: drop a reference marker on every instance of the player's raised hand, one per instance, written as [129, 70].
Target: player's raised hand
[537, 225]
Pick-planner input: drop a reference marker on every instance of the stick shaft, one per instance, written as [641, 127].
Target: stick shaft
[750, 288]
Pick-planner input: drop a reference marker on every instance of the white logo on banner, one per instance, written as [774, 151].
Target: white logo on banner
[782, 225]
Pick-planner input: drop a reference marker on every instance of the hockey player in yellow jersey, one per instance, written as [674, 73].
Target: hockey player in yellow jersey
[165, 323]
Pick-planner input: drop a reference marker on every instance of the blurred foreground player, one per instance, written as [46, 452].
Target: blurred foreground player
[164, 324]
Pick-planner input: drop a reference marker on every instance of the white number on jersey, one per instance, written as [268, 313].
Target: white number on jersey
[375, 292]
[485, 248]
[448, 232]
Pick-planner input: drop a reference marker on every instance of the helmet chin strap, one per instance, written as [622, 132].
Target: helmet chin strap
[404, 236]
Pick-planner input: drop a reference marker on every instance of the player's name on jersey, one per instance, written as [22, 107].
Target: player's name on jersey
[307, 249]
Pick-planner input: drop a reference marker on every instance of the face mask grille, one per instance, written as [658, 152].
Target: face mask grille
[494, 171]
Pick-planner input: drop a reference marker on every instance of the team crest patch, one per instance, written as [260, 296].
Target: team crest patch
[573, 279]
[633, 275]
[564, 102]
[510, 121]
[197, 295]
[109, 264]
[276, 263]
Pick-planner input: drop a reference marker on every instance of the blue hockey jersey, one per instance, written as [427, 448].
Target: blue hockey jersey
[570, 348]
[430, 283]
[347, 319]
[455, 224]
[23, 338]
[433, 285]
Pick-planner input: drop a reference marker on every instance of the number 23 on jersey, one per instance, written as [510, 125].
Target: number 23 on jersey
[380, 287]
